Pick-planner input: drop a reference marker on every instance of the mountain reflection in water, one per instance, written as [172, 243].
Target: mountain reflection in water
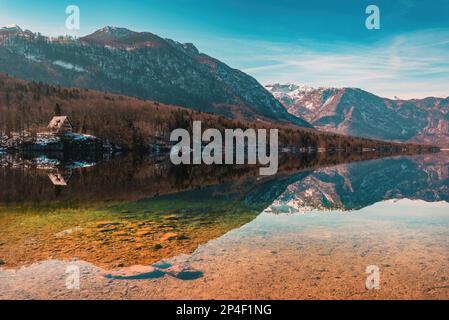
[135, 211]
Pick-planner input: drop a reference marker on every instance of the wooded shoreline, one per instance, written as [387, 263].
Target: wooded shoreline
[130, 124]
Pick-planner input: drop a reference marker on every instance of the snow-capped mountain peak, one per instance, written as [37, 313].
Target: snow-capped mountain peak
[11, 27]
[12, 30]
[117, 31]
[354, 111]
[291, 94]
[288, 88]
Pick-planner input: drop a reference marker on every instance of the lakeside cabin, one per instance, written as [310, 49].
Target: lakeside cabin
[60, 125]
[60, 179]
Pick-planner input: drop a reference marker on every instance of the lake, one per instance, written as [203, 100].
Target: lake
[133, 227]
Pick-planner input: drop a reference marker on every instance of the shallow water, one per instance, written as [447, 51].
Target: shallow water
[147, 230]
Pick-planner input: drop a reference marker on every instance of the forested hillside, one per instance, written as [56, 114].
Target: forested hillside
[133, 123]
[143, 65]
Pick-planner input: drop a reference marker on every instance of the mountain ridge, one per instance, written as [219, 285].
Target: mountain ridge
[130, 123]
[143, 65]
[357, 185]
[353, 111]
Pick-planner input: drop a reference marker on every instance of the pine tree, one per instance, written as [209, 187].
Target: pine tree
[57, 111]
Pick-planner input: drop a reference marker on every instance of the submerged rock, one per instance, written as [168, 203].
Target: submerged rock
[104, 224]
[138, 272]
[68, 231]
[169, 236]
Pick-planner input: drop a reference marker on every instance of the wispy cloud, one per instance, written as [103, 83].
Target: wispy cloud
[411, 65]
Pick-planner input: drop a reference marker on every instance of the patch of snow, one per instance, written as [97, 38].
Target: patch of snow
[80, 136]
[289, 88]
[328, 101]
[117, 31]
[12, 27]
[293, 91]
[309, 105]
[68, 231]
[32, 57]
[80, 164]
[44, 162]
[44, 140]
[68, 65]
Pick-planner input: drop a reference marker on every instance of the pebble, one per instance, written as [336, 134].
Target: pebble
[102, 224]
[169, 236]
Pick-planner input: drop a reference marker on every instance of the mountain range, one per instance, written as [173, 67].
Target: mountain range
[146, 66]
[356, 112]
[139, 64]
[130, 123]
[360, 184]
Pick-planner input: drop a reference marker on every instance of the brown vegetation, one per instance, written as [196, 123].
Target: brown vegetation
[134, 123]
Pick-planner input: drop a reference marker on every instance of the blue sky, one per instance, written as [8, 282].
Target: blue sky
[314, 42]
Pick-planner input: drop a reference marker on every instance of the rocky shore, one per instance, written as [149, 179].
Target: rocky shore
[49, 142]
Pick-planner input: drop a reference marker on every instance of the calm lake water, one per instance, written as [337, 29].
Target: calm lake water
[140, 228]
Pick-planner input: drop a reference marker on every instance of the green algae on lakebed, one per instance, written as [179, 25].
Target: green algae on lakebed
[115, 234]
